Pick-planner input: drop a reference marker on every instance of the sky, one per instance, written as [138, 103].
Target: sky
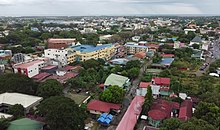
[108, 7]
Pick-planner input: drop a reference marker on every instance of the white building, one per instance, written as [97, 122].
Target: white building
[29, 69]
[57, 55]
[27, 101]
[189, 30]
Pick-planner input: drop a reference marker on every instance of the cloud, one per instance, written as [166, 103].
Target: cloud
[108, 7]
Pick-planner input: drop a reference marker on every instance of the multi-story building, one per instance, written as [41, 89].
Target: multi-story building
[86, 52]
[60, 43]
[29, 69]
[133, 48]
[59, 55]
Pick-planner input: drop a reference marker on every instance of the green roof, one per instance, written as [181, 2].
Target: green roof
[25, 124]
[114, 79]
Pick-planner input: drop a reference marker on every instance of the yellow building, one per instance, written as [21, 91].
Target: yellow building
[86, 52]
[71, 55]
[135, 48]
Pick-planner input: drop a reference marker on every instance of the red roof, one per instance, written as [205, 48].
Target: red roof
[68, 68]
[49, 67]
[153, 46]
[102, 106]
[62, 79]
[167, 55]
[140, 55]
[41, 76]
[144, 84]
[160, 110]
[101, 85]
[185, 110]
[157, 114]
[130, 117]
[28, 64]
[175, 105]
[162, 81]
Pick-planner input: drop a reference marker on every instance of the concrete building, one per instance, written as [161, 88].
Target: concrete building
[133, 48]
[189, 30]
[60, 43]
[86, 52]
[27, 101]
[59, 55]
[29, 69]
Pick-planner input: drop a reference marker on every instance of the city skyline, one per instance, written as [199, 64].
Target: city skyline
[108, 7]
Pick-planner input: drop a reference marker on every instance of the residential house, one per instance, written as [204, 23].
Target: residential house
[163, 84]
[185, 112]
[133, 48]
[196, 40]
[99, 107]
[114, 79]
[142, 90]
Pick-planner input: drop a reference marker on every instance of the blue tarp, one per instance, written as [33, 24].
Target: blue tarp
[105, 118]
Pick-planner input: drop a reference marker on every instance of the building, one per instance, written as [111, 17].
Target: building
[189, 30]
[132, 114]
[5, 55]
[196, 40]
[185, 112]
[86, 52]
[25, 124]
[133, 48]
[99, 107]
[114, 79]
[163, 84]
[59, 55]
[160, 110]
[60, 43]
[142, 90]
[29, 69]
[10, 99]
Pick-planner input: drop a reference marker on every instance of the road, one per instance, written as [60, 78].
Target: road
[128, 98]
[216, 55]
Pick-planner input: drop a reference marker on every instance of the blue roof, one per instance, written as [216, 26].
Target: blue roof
[105, 118]
[166, 61]
[90, 48]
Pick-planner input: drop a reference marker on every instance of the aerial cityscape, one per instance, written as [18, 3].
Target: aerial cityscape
[109, 65]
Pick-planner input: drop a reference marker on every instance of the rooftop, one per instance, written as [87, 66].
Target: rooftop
[130, 117]
[17, 98]
[144, 84]
[102, 106]
[114, 79]
[90, 48]
[166, 61]
[28, 64]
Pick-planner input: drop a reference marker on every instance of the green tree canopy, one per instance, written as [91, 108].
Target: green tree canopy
[113, 94]
[50, 87]
[17, 83]
[4, 123]
[171, 124]
[132, 64]
[61, 113]
[16, 110]
[133, 72]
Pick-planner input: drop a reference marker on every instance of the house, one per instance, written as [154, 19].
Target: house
[163, 84]
[136, 38]
[189, 30]
[140, 55]
[25, 124]
[185, 112]
[27, 101]
[205, 46]
[166, 61]
[99, 107]
[29, 69]
[132, 114]
[196, 40]
[167, 55]
[160, 110]
[55, 43]
[5, 116]
[198, 54]
[142, 90]
[114, 79]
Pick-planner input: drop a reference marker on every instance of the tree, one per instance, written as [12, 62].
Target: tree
[113, 94]
[133, 64]
[195, 46]
[171, 124]
[91, 63]
[61, 113]
[133, 72]
[16, 110]
[148, 99]
[196, 124]
[17, 83]
[50, 87]
[4, 123]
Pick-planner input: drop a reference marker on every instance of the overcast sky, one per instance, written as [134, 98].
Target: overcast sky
[107, 7]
